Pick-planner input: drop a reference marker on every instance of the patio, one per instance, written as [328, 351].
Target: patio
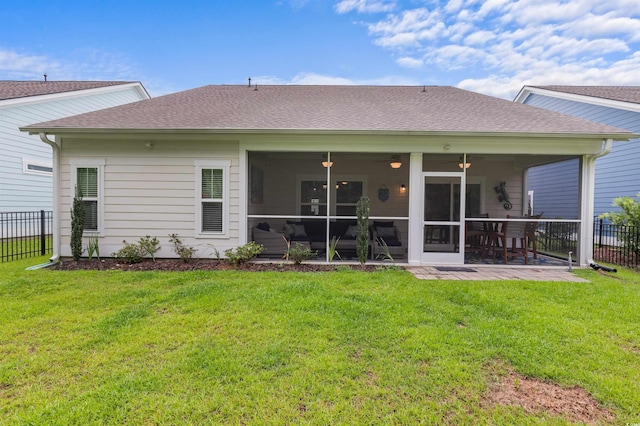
[309, 198]
[493, 273]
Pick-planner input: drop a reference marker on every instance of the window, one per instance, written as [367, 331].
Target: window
[87, 185]
[212, 193]
[347, 195]
[34, 167]
[87, 179]
[313, 198]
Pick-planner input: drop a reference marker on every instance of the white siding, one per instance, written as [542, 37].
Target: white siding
[151, 191]
[21, 191]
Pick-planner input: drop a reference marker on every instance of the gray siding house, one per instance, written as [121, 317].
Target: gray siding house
[555, 187]
[25, 162]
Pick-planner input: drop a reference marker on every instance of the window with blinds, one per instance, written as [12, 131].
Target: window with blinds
[87, 186]
[212, 200]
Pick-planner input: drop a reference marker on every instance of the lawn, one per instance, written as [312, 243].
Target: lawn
[346, 347]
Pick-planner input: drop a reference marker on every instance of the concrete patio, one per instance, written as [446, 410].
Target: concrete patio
[493, 273]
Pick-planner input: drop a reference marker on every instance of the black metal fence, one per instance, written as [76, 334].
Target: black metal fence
[25, 234]
[616, 244]
[558, 238]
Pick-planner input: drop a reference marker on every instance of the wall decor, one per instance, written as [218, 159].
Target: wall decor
[503, 196]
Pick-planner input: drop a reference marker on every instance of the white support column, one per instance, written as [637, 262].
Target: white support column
[587, 188]
[243, 185]
[416, 201]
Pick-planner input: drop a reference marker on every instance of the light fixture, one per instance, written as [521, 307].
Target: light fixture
[395, 162]
[464, 165]
[326, 163]
[403, 188]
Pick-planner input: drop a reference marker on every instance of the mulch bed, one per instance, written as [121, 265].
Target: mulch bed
[204, 265]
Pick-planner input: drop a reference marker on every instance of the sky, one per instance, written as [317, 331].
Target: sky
[489, 46]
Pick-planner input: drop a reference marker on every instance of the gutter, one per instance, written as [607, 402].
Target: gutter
[586, 215]
[148, 132]
[55, 146]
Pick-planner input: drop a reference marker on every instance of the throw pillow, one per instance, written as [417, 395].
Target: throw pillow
[377, 224]
[298, 230]
[264, 226]
[386, 232]
[351, 231]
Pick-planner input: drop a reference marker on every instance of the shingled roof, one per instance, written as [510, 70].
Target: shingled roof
[629, 94]
[24, 89]
[328, 109]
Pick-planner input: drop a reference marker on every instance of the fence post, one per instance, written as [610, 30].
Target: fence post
[43, 249]
[600, 233]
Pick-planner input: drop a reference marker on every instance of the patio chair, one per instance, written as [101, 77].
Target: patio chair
[386, 233]
[274, 243]
[515, 232]
[532, 234]
[476, 235]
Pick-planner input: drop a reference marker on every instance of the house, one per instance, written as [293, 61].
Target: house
[217, 164]
[617, 174]
[26, 163]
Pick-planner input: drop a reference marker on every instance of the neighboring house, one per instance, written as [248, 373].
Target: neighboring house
[218, 164]
[26, 163]
[617, 174]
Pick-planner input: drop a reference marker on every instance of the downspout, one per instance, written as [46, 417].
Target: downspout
[55, 146]
[588, 183]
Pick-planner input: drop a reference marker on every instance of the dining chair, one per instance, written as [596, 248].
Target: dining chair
[514, 232]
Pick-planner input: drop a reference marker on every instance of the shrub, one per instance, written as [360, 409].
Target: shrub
[362, 233]
[130, 253]
[93, 248]
[629, 215]
[149, 246]
[242, 254]
[299, 253]
[184, 252]
[77, 225]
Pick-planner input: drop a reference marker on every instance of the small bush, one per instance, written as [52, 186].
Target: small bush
[185, 252]
[93, 248]
[77, 225]
[299, 253]
[149, 246]
[244, 253]
[362, 233]
[130, 253]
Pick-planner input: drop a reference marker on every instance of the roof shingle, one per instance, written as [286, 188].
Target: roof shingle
[616, 93]
[23, 89]
[329, 108]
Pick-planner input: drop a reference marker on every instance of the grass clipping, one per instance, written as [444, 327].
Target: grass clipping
[537, 397]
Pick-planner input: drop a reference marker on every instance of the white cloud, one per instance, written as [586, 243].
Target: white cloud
[408, 29]
[479, 37]
[365, 6]
[504, 44]
[78, 65]
[321, 79]
[408, 62]
[24, 66]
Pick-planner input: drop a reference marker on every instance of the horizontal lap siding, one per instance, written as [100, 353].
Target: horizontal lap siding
[21, 191]
[617, 173]
[556, 189]
[152, 191]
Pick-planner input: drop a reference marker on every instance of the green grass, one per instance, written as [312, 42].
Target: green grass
[344, 347]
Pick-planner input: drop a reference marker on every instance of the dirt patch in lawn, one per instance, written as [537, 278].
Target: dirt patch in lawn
[537, 396]
[205, 265]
